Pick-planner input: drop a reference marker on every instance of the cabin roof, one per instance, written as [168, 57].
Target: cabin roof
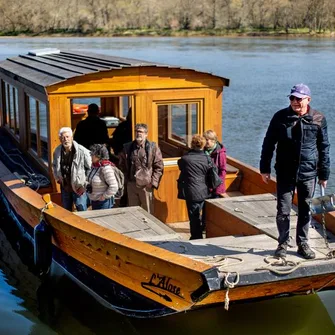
[49, 68]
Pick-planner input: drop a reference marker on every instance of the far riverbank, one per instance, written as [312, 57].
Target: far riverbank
[286, 33]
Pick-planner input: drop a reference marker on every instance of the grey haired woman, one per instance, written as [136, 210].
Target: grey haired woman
[102, 183]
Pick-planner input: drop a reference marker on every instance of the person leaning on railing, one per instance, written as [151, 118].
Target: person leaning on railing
[217, 152]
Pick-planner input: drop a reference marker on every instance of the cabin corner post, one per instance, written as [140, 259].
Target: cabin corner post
[2, 97]
[58, 118]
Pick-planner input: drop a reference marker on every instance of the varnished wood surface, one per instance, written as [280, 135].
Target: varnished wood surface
[125, 260]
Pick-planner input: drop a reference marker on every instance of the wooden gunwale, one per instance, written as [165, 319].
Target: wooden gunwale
[301, 285]
[252, 184]
[123, 259]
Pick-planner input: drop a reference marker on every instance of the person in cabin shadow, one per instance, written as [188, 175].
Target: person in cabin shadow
[71, 165]
[192, 183]
[299, 134]
[142, 164]
[102, 185]
[92, 130]
[122, 134]
[217, 152]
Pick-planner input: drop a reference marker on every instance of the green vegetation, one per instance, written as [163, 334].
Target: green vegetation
[167, 18]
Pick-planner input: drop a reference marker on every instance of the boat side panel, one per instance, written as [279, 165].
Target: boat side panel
[300, 285]
[155, 273]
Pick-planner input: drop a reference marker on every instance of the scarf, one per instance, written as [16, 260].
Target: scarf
[103, 162]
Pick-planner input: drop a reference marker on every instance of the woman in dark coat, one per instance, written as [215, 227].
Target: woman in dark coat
[193, 168]
[217, 153]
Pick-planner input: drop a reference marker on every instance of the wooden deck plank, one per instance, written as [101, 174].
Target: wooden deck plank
[132, 221]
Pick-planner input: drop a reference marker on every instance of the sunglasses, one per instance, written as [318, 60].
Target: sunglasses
[292, 98]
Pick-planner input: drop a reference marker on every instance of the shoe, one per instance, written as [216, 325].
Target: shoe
[305, 251]
[281, 250]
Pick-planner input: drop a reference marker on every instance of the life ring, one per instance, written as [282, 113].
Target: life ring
[79, 108]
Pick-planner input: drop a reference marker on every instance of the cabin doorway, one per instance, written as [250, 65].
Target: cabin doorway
[116, 111]
[177, 121]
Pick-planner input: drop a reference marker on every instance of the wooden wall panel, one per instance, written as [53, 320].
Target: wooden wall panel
[60, 116]
[168, 208]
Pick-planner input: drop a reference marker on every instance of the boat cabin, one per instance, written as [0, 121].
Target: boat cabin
[47, 89]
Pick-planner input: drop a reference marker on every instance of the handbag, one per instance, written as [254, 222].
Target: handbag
[143, 177]
[213, 179]
[322, 204]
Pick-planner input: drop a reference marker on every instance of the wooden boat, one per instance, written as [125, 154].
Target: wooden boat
[136, 263]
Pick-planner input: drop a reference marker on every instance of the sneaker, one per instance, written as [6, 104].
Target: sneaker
[281, 250]
[305, 251]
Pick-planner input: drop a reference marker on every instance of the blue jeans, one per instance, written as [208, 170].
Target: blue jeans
[105, 204]
[285, 193]
[70, 198]
[196, 217]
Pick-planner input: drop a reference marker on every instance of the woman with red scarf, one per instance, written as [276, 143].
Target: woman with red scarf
[102, 183]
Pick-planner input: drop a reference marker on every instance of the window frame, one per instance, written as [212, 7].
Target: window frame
[38, 152]
[172, 138]
[11, 94]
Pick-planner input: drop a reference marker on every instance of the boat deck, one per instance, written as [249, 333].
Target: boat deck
[234, 254]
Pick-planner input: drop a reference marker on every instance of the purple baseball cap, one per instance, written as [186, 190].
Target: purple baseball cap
[300, 91]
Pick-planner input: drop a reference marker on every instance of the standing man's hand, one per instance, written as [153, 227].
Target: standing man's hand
[323, 183]
[266, 177]
[80, 191]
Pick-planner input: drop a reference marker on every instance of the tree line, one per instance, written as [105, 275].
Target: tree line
[113, 16]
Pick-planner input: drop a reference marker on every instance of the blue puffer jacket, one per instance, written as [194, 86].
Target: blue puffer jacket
[302, 146]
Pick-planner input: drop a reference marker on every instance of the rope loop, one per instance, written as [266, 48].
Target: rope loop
[229, 285]
[279, 262]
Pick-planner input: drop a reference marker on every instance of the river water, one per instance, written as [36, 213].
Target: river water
[261, 73]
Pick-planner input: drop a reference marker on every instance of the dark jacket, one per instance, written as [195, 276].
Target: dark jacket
[193, 168]
[154, 161]
[91, 131]
[219, 158]
[122, 134]
[302, 146]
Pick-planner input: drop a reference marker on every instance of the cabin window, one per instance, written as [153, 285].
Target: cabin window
[113, 109]
[11, 109]
[38, 128]
[177, 123]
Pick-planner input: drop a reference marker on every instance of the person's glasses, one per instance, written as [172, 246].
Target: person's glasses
[292, 98]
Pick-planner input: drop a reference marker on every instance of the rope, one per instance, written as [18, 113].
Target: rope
[229, 285]
[33, 180]
[281, 262]
[219, 261]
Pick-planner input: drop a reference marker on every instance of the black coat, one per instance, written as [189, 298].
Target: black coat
[193, 168]
[302, 146]
[91, 131]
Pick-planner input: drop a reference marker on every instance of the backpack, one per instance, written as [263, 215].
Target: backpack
[119, 176]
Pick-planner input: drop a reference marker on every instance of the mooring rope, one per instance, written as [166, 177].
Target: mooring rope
[280, 262]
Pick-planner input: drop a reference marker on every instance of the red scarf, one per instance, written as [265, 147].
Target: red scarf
[103, 162]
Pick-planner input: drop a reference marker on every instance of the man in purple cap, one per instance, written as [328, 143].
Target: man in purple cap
[299, 134]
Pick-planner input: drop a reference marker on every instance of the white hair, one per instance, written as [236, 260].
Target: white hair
[65, 130]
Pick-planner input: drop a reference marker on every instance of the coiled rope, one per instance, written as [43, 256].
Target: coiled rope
[33, 180]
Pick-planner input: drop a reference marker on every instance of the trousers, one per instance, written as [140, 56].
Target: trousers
[285, 193]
